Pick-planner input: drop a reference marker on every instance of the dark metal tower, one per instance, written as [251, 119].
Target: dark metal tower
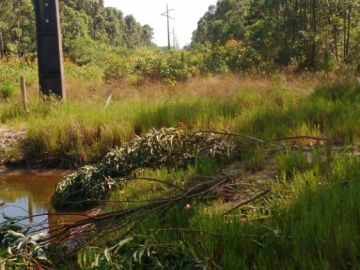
[49, 47]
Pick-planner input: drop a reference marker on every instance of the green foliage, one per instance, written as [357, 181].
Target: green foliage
[7, 90]
[290, 163]
[83, 51]
[116, 69]
[142, 252]
[314, 209]
[311, 212]
[303, 34]
[81, 132]
[12, 68]
[83, 22]
[22, 251]
[164, 148]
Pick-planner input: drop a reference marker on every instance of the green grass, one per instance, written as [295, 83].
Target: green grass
[310, 220]
[82, 131]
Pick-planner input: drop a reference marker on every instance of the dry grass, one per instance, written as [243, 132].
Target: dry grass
[220, 86]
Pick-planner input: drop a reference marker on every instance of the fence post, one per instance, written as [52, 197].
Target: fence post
[107, 103]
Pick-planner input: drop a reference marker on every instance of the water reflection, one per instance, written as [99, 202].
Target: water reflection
[27, 196]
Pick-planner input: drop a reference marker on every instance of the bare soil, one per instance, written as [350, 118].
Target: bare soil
[10, 138]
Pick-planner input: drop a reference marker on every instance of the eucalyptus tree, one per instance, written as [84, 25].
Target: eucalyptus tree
[81, 19]
[309, 33]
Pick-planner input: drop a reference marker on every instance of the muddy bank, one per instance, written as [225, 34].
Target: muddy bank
[10, 139]
[6, 171]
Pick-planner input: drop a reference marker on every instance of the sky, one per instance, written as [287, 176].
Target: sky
[187, 13]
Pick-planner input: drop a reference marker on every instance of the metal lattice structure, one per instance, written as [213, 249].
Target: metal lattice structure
[49, 45]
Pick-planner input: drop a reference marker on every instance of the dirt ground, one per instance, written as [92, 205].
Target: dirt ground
[9, 139]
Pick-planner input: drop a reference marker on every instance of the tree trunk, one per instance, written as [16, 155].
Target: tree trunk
[347, 45]
[314, 30]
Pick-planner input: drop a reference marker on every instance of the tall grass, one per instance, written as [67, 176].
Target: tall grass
[81, 131]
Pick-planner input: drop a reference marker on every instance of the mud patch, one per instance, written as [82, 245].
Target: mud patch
[10, 139]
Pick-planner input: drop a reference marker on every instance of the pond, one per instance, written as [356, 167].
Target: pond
[28, 197]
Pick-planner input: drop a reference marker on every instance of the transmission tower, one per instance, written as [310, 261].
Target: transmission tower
[168, 17]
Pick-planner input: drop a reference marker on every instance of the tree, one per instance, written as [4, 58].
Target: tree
[81, 19]
[310, 33]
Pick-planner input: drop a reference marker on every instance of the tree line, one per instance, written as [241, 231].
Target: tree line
[82, 20]
[304, 33]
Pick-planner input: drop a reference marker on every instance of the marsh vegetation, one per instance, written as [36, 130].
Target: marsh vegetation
[239, 152]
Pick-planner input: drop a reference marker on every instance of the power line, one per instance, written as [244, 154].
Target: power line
[168, 17]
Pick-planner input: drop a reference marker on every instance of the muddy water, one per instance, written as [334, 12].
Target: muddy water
[28, 197]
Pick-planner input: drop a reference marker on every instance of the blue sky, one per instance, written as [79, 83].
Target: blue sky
[186, 12]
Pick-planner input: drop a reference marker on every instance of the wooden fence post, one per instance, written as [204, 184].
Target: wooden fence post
[108, 101]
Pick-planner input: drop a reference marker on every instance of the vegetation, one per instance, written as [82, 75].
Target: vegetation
[83, 23]
[273, 80]
[300, 225]
[310, 181]
[82, 131]
[7, 90]
[172, 148]
[304, 34]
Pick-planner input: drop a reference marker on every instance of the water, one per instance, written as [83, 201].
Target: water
[27, 196]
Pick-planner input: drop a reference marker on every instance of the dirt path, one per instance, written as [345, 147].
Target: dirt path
[9, 138]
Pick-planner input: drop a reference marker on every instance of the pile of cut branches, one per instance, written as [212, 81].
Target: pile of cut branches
[170, 147]
[23, 250]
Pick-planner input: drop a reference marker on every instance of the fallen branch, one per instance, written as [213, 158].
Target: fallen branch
[225, 133]
[260, 195]
[300, 138]
[183, 230]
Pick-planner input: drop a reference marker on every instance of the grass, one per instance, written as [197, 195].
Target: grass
[81, 131]
[310, 220]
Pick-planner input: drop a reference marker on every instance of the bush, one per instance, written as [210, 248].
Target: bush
[83, 51]
[7, 90]
[116, 69]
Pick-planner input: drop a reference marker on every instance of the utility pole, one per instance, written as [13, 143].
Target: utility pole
[168, 17]
[49, 47]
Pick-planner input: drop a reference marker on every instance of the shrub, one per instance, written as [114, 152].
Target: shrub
[83, 51]
[116, 69]
[7, 90]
